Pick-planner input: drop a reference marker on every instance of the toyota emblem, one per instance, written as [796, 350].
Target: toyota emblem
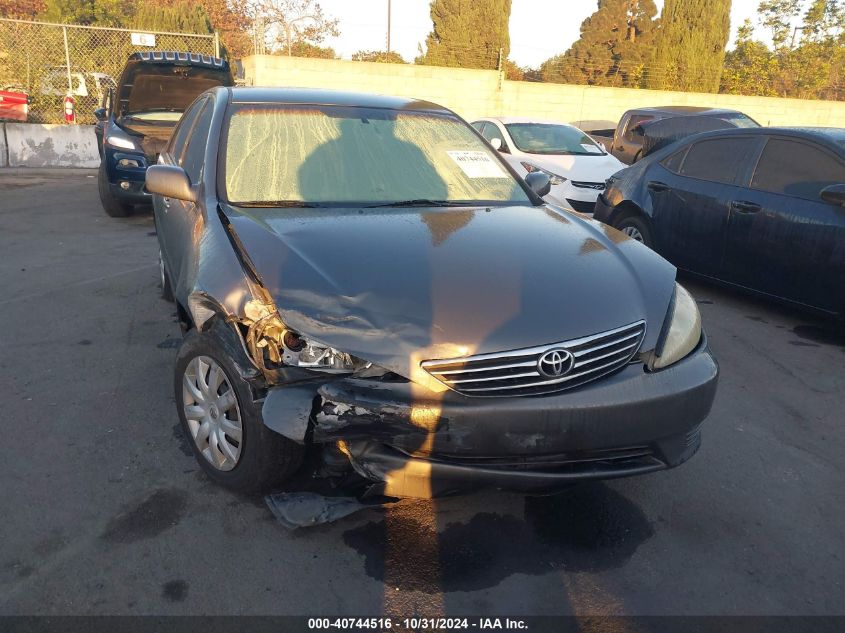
[555, 363]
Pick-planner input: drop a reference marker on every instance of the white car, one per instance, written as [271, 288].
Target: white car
[577, 165]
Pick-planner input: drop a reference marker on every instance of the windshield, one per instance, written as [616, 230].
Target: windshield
[741, 120]
[549, 138]
[351, 156]
[169, 89]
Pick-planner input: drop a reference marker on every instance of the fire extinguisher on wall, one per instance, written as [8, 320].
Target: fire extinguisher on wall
[70, 109]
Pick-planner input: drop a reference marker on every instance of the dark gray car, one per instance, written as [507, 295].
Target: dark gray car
[366, 276]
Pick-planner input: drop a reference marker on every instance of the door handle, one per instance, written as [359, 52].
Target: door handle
[745, 207]
[658, 186]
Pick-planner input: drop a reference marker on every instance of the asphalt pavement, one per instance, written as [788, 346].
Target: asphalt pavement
[105, 511]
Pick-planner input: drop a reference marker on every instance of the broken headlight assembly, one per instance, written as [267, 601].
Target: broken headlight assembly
[269, 341]
[683, 333]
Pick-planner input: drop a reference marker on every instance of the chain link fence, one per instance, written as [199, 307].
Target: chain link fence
[49, 61]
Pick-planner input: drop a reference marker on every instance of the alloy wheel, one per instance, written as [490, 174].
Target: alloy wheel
[633, 232]
[212, 412]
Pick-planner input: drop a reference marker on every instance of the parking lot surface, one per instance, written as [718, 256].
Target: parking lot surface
[105, 510]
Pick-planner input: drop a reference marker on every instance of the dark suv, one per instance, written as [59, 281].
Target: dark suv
[138, 118]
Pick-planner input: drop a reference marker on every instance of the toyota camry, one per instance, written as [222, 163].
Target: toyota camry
[366, 276]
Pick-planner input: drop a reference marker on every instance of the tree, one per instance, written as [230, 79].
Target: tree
[230, 18]
[750, 67]
[805, 61]
[383, 57]
[305, 49]
[614, 44]
[21, 9]
[98, 12]
[288, 22]
[689, 49]
[468, 34]
[182, 17]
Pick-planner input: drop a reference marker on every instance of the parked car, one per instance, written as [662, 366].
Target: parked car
[365, 274]
[88, 88]
[760, 208]
[14, 104]
[138, 117]
[627, 140]
[576, 165]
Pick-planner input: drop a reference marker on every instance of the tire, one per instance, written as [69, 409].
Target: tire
[164, 280]
[264, 458]
[113, 207]
[635, 227]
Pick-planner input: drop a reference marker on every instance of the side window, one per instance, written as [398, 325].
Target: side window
[720, 160]
[479, 126]
[180, 134]
[636, 119]
[491, 131]
[674, 161]
[192, 159]
[796, 169]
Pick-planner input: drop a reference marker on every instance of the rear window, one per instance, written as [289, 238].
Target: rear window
[719, 160]
[797, 169]
[171, 88]
[331, 155]
[740, 120]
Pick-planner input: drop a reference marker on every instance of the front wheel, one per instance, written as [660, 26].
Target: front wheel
[222, 422]
[114, 208]
[635, 227]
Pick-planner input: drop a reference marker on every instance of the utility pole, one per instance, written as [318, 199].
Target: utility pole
[388, 25]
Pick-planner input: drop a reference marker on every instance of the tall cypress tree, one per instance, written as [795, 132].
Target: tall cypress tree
[689, 49]
[614, 45]
[468, 33]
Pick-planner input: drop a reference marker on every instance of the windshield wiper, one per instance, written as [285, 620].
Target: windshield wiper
[283, 204]
[423, 202]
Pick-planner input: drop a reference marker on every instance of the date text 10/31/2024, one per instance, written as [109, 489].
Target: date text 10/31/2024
[416, 624]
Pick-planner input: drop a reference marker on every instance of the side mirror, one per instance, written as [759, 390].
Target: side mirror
[496, 143]
[834, 194]
[100, 114]
[171, 182]
[539, 183]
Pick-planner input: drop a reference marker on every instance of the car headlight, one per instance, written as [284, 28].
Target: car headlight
[683, 333]
[553, 178]
[300, 351]
[121, 141]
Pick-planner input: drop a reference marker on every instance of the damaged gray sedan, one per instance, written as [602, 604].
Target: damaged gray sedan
[363, 275]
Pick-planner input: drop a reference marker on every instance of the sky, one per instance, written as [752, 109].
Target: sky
[539, 29]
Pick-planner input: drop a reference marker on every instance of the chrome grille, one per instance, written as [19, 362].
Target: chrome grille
[517, 372]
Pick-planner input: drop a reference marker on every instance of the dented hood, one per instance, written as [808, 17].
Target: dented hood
[398, 286]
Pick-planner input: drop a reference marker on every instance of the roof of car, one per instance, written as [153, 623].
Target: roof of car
[687, 110]
[835, 134]
[522, 119]
[316, 96]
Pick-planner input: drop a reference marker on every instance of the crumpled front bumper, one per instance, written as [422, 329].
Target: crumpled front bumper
[420, 444]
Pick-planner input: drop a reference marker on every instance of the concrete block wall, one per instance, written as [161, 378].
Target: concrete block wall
[47, 145]
[477, 93]
[4, 154]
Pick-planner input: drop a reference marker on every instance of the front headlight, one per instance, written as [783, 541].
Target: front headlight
[684, 330]
[300, 351]
[553, 178]
[121, 141]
